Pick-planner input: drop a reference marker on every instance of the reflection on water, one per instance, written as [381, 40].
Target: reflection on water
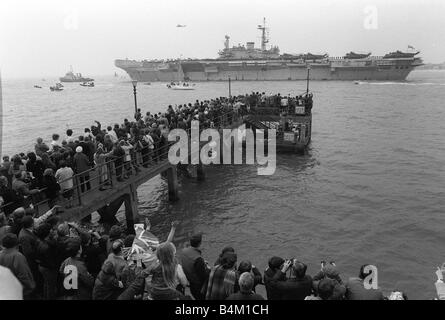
[369, 190]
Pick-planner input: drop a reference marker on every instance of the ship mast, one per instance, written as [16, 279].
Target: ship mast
[264, 39]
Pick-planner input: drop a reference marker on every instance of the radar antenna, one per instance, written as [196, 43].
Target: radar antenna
[226, 43]
[264, 34]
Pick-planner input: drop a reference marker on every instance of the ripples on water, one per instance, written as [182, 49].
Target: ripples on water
[370, 190]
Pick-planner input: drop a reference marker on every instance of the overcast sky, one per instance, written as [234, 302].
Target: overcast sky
[41, 38]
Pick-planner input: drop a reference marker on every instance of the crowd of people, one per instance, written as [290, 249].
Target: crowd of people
[65, 166]
[38, 257]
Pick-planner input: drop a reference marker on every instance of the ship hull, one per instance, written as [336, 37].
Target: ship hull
[281, 71]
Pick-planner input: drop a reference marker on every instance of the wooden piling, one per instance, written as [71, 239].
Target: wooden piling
[131, 208]
[172, 178]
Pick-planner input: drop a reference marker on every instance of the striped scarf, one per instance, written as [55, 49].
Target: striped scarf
[221, 283]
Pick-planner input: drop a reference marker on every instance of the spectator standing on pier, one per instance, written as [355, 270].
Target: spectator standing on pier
[47, 260]
[17, 166]
[85, 281]
[246, 284]
[90, 149]
[81, 167]
[195, 268]
[87, 133]
[40, 147]
[4, 227]
[57, 156]
[12, 259]
[329, 271]
[4, 169]
[112, 134]
[15, 220]
[126, 146]
[64, 177]
[107, 286]
[100, 159]
[35, 167]
[146, 147]
[52, 188]
[246, 266]
[11, 200]
[297, 287]
[168, 278]
[56, 141]
[325, 290]
[224, 251]
[47, 162]
[274, 266]
[116, 257]
[222, 280]
[355, 288]
[22, 188]
[94, 254]
[118, 155]
[28, 246]
[108, 143]
[69, 136]
[138, 115]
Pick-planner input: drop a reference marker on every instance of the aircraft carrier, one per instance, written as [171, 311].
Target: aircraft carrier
[263, 64]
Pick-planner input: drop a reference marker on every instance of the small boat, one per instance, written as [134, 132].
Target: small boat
[147, 83]
[56, 88]
[58, 84]
[181, 86]
[87, 84]
[38, 87]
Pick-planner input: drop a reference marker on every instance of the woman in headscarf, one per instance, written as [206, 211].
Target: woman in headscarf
[52, 188]
[222, 280]
[100, 159]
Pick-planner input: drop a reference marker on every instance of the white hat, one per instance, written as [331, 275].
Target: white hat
[79, 149]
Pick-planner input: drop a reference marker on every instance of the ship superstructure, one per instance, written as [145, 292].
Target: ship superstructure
[70, 76]
[249, 63]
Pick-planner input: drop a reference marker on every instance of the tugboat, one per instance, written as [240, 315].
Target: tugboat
[37, 87]
[70, 76]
